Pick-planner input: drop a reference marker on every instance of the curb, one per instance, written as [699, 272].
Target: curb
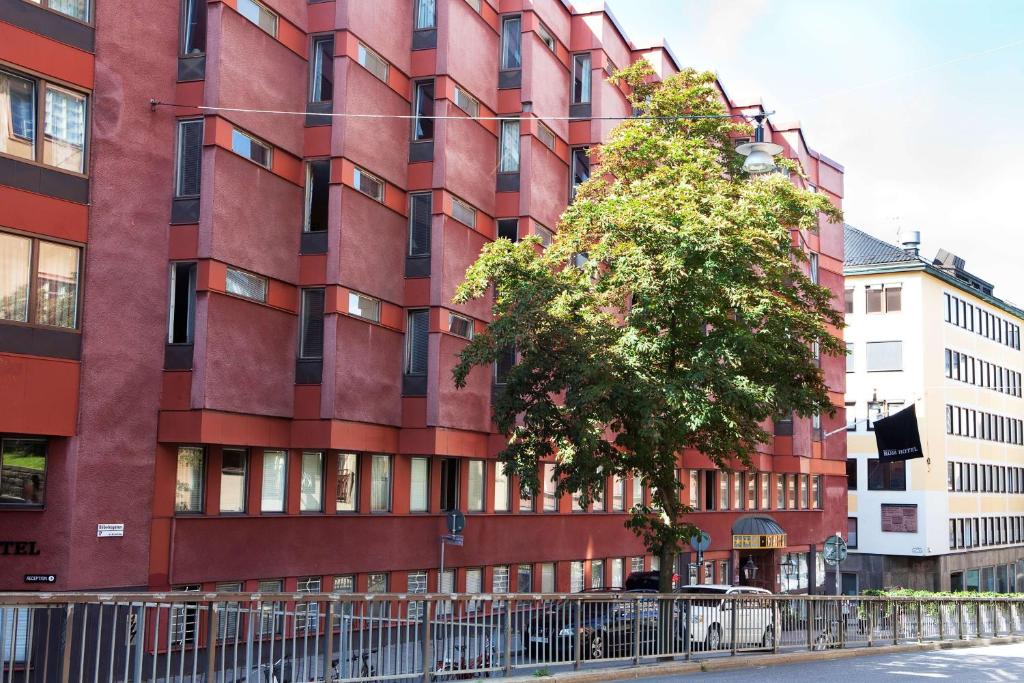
[756, 661]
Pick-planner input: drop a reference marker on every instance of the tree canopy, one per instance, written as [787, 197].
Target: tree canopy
[671, 311]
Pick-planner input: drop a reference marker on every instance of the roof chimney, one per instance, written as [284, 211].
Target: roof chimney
[912, 242]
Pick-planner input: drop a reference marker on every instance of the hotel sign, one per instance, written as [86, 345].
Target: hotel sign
[758, 541]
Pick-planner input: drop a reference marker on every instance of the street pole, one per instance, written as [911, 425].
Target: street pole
[440, 575]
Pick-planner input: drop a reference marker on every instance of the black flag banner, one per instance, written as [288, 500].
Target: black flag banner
[897, 436]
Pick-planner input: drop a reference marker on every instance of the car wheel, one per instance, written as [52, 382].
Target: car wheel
[768, 640]
[714, 638]
[595, 647]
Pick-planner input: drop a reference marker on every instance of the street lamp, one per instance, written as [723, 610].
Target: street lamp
[788, 567]
[750, 569]
[759, 153]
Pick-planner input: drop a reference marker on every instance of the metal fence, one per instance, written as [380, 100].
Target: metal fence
[285, 637]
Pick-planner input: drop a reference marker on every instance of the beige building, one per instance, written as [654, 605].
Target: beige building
[930, 334]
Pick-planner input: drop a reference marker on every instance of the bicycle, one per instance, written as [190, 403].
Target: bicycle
[367, 670]
[449, 669]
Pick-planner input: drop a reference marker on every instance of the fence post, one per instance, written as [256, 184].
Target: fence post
[140, 637]
[776, 626]
[920, 621]
[636, 630]
[734, 610]
[329, 645]
[508, 639]
[896, 620]
[942, 622]
[810, 616]
[211, 641]
[67, 643]
[977, 618]
[871, 623]
[959, 620]
[577, 644]
[688, 628]
[426, 640]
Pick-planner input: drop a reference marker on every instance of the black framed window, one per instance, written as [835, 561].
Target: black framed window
[321, 64]
[190, 480]
[423, 110]
[420, 207]
[193, 27]
[581, 78]
[887, 476]
[511, 42]
[311, 324]
[580, 168]
[417, 337]
[23, 471]
[189, 166]
[318, 188]
[851, 474]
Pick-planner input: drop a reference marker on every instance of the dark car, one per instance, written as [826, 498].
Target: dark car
[646, 581]
[603, 627]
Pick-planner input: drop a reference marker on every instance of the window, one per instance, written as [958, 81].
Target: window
[183, 619]
[417, 342]
[550, 487]
[249, 147]
[813, 267]
[79, 9]
[883, 298]
[545, 235]
[53, 285]
[545, 135]
[311, 324]
[272, 492]
[380, 484]
[597, 573]
[259, 15]
[449, 484]
[423, 111]
[23, 472]
[547, 577]
[228, 626]
[851, 532]
[426, 14]
[502, 489]
[499, 580]
[420, 207]
[311, 487]
[581, 78]
[307, 613]
[474, 585]
[508, 155]
[460, 326]
[723, 490]
[463, 212]
[416, 584]
[545, 37]
[576, 576]
[321, 79]
[884, 356]
[466, 102]
[511, 57]
[580, 169]
[638, 490]
[188, 490]
[188, 175]
[373, 62]
[181, 318]
[63, 122]
[270, 621]
[618, 494]
[848, 297]
[347, 486]
[247, 285]
[318, 179]
[817, 492]
[851, 474]
[368, 184]
[193, 27]
[419, 484]
[233, 478]
[363, 306]
[476, 486]
[524, 578]
[887, 476]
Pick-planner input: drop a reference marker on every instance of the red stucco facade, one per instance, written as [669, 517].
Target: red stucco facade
[117, 400]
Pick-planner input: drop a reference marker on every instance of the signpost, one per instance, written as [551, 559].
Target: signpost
[700, 542]
[835, 551]
[456, 522]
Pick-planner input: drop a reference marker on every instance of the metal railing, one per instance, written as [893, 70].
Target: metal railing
[342, 638]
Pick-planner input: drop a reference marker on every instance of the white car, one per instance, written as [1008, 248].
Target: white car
[710, 620]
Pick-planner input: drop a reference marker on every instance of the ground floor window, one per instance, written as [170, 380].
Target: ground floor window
[22, 471]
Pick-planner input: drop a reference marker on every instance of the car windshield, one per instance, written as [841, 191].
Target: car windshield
[696, 590]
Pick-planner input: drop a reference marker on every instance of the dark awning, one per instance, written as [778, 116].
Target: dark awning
[756, 526]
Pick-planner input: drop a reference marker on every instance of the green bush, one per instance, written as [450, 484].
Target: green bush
[931, 595]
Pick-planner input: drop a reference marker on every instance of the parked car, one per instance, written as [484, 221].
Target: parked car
[605, 628]
[711, 620]
[646, 581]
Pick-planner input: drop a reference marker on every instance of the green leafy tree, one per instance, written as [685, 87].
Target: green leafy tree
[670, 312]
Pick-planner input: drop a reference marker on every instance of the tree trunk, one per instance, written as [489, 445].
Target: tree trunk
[667, 558]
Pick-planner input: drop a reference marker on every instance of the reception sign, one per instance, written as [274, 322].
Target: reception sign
[758, 541]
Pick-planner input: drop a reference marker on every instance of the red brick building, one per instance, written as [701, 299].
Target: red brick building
[232, 332]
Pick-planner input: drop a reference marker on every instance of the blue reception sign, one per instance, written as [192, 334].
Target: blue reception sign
[700, 542]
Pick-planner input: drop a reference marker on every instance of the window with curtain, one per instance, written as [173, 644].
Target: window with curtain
[64, 127]
[550, 486]
[321, 79]
[502, 499]
[57, 285]
[79, 9]
[426, 14]
[511, 38]
[347, 486]
[419, 484]
[188, 491]
[618, 493]
[272, 491]
[886, 356]
[547, 577]
[476, 486]
[193, 34]
[17, 115]
[15, 276]
[380, 493]
[311, 488]
[576, 576]
[423, 110]
[509, 153]
[581, 78]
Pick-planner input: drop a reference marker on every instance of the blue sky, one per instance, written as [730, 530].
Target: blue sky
[921, 100]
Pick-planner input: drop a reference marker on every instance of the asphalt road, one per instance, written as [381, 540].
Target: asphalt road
[967, 665]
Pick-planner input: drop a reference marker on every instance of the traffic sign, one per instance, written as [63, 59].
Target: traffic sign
[835, 550]
[453, 539]
[456, 522]
[700, 542]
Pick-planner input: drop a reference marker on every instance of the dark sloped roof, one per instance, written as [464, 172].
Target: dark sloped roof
[862, 249]
[757, 526]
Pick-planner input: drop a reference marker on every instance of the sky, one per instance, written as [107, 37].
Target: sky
[922, 102]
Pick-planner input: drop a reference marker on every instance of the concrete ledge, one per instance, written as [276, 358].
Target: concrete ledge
[742, 661]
